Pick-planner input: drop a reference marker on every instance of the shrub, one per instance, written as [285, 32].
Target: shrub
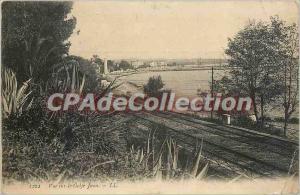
[154, 86]
[268, 118]
[294, 120]
[124, 65]
[244, 121]
[279, 119]
[31, 138]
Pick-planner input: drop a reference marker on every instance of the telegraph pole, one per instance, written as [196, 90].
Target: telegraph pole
[212, 88]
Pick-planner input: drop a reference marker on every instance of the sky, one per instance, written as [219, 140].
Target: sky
[166, 29]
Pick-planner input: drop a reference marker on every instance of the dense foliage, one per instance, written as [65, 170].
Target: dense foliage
[43, 145]
[154, 86]
[34, 37]
[264, 65]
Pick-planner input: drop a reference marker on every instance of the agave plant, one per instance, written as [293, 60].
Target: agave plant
[14, 99]
[66, 78]
[166, 163]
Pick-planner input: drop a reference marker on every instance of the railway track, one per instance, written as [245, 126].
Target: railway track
[233, 128]
[240, 149]
[244, 136]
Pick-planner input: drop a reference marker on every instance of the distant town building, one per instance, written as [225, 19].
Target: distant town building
[153, 64]
[162, 63]
[158, 63]
[137, 63]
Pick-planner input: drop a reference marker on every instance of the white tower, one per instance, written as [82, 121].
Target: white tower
[105, 67]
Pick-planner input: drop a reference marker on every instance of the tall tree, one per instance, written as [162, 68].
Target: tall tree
[254, 60]
[288, 37]
[34, 37]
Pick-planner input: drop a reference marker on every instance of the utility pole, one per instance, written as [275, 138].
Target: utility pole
[212, 88]
[285, 100]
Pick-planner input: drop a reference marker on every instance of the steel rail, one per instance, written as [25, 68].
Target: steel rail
[220, 131]
[222, 148]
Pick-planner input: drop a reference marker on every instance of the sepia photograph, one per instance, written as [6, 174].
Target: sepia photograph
[150, 97]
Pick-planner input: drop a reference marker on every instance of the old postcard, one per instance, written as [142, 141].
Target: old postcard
[150, 97]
